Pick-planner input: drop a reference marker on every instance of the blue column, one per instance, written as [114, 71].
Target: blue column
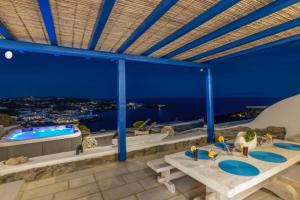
[209, 106]
[121, 110]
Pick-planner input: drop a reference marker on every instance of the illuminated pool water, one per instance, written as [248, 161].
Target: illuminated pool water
[40, 132]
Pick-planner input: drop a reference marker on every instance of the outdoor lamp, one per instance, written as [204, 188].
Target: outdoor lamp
[8, 55]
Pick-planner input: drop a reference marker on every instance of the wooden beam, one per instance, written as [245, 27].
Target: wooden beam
[268, 32]
[65, 51]
[257, 48]
[201, 19]
[48, 20]
[5, 32]
[260, 13]
[102, 18]
[159, 11]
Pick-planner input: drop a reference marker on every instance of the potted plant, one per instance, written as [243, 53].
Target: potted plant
[88, 141]
[139, 128]
[246, 139]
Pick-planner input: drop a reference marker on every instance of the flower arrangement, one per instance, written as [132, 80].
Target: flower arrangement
[247, 139]
[249, 136]
[269, 137]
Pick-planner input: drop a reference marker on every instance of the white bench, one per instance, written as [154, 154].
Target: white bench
[167, 173]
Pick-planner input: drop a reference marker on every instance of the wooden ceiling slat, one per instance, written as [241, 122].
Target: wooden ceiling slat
[23, 19]
[180, 14]
[279, 17]
[237, 11]
[74, 21]
[125, 17]
[273, 38]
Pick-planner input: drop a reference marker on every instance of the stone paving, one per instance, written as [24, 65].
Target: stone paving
[131, 180]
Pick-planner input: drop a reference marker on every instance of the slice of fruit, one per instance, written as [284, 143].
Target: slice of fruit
[193, 148]
[221, 138]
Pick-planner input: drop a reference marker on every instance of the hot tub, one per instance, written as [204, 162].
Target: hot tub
[39, 141]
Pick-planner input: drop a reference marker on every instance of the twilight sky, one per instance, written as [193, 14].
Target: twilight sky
[268, 73]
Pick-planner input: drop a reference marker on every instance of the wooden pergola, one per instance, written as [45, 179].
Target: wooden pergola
[188, 33]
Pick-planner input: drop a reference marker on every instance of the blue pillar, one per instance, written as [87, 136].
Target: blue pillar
[209, 106]
[121, 110]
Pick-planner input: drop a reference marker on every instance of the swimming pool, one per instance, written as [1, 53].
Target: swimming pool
[39, 141]
[40, 132]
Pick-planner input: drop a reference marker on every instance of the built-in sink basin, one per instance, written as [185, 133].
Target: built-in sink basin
[202, 154]
[268, 156]
[288, 146]
[221, 145]
[238, 168]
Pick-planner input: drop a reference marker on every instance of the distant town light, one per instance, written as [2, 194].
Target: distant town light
[8, 55]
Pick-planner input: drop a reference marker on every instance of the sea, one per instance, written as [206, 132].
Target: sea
[176, 110]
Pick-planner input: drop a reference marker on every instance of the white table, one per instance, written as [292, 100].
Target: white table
[222, 185]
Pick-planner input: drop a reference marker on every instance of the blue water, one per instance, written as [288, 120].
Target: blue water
[19, 135]
[177, 109]
[238, 168]
[268, 156]
[202, 154]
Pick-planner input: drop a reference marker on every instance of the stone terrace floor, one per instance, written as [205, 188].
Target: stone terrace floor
[131, 180]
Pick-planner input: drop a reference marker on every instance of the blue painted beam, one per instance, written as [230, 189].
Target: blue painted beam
[209, 106]
[209, 14]
[159, 11]
[48, 20]
[65, 51]
[121, 110]
[257, 48]
[260, 13]
[5, 32]
[104, 12]
[268, 32]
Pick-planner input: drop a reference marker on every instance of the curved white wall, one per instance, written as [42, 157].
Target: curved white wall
[285, 113]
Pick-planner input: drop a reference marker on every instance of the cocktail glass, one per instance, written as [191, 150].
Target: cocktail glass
[245, 151]
[195, 154]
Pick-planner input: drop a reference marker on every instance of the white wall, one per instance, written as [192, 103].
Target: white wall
[285, 113]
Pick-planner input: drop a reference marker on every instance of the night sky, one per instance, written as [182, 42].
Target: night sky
[268, 73]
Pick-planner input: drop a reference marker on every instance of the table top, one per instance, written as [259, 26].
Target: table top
[208, 172]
